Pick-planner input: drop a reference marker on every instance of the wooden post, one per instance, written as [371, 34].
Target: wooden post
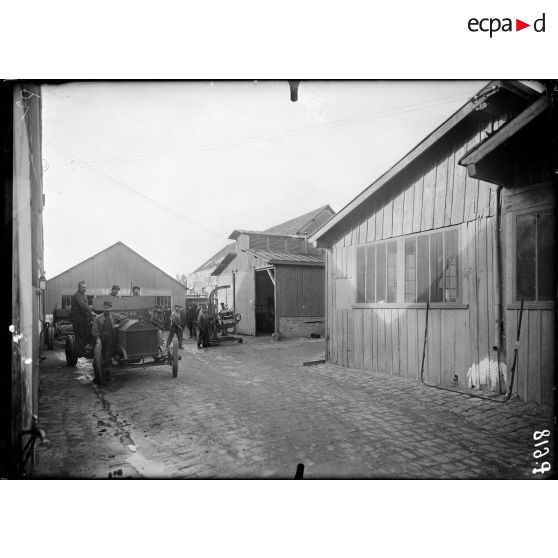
[275, 303]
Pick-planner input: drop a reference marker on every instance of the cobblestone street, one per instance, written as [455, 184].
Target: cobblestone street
[253, 410]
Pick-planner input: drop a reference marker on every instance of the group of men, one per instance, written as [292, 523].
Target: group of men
[199, 323]
[91, 328]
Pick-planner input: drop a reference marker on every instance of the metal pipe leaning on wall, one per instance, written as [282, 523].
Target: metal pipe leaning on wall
[497, 286]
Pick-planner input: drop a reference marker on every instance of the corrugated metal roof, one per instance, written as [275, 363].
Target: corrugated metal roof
[276, 257]
[223, 263]
[237, 232]
[298, 225]
[301, 224]
[216, 258]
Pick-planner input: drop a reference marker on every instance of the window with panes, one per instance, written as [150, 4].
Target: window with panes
[163, 301]
[534, 256]
[430, 269]
[377, 272]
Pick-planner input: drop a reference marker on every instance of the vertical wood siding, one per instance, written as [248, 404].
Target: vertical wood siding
[119, 265]
[536, 354]
[460, 340]
[299, 290]
[535, 361]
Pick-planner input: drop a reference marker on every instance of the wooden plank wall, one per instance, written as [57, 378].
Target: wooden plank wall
[300, 290]
[535, 362]
[460, 340]
[117, 265]
[536, 356]
[390, 340]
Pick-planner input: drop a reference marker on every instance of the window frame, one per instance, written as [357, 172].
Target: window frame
[365, 249]
[513, 302]
[401, 241]
[159, 302]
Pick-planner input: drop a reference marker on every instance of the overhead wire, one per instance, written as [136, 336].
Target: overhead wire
[348, 121]
[278, 135]
[132, 189]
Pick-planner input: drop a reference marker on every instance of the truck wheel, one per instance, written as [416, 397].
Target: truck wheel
[175, 357]
[49, 333]
[71, 353]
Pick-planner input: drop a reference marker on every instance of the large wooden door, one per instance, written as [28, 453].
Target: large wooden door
[245, 301]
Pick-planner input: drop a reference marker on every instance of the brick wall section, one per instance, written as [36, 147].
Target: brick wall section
[298, 326]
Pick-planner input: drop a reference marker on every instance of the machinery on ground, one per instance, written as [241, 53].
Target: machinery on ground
[221, 323]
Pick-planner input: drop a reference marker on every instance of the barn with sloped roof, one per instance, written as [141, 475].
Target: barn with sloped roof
[118, 264]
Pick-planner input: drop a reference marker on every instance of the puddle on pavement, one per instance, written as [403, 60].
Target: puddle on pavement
[147, 467]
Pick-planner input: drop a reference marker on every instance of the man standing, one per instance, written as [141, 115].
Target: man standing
[136, 291]
[175, 327]
[115, 290]
[182, 321]
[191, 316]
[81, 316]
[105, 333]
[204, 323]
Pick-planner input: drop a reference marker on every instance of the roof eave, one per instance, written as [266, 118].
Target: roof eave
[455, 119]
[308, 264]
[482, 150]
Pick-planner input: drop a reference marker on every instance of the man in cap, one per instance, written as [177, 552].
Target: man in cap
[115, 290]
[105, 332]
[80, 316]
[204, 326]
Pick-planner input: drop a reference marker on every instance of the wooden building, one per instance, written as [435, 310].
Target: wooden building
[201, 281]
[466, 223]
[276, 282]
[23, 200]
[117, 264]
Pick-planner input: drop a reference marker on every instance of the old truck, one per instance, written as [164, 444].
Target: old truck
[138, 339]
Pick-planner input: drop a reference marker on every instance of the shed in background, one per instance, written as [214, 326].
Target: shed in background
[117, 264]
[203, 279]
[276, 283]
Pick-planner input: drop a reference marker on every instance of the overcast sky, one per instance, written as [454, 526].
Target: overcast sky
[172, 168]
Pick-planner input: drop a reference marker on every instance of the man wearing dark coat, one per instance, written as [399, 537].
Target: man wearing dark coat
[204, 326]
[191, 316]
[105, 332]
[81, 316]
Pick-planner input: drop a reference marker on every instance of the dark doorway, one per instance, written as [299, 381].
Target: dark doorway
[265, 302]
